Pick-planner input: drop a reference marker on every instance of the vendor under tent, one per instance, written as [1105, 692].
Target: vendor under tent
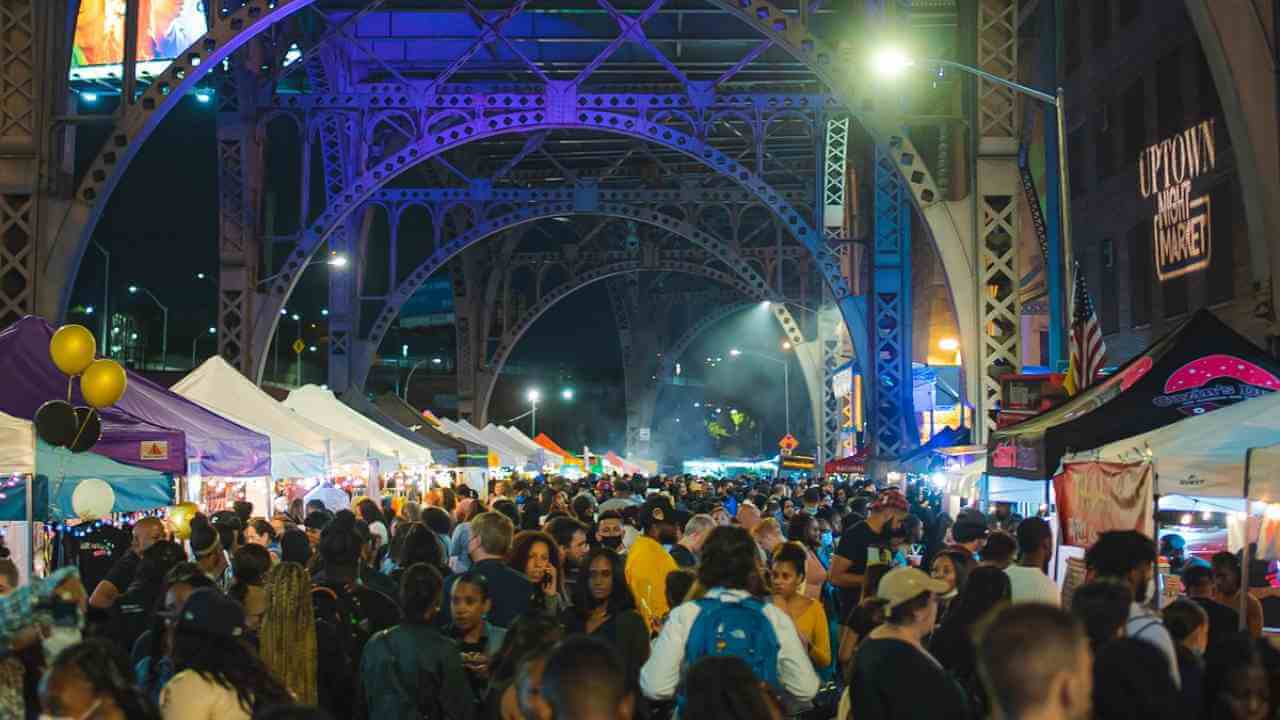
[389, 450]
[855, 464]
[451, 452]
[54, 474]
[1206, 456]
[1197, 369]
[214, 445]
[297, 450]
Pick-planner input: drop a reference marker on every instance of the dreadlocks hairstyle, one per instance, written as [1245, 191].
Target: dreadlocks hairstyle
[287, 637]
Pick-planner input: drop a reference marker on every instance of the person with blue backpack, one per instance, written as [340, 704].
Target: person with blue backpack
[728, 620]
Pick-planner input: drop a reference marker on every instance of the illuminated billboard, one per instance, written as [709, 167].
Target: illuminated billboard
[165, 29]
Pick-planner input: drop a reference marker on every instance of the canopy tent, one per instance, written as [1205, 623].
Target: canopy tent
[361, 403]
[58, 471]
[298, 449]
[566, 457]
[537, 453]
[148, 421]
[853, 464]
[464, 431]
[453, 451]
[1198, 368]
[1205, 455]
[321, 407]
[925, 458]
[613, 459]
[507, 444]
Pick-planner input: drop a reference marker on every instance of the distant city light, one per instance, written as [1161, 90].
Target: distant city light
[88, 310]
[324, 312]
[312, 348]
[567, 393]
[200, 276]
[213, 330]
[735, 352]
[295, 317]
[133, 336]
[203, 96]
[436, 361]
[133, 289]
[404, 351]
[284, 311]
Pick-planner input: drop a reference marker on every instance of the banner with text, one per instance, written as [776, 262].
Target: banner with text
[1094, 497]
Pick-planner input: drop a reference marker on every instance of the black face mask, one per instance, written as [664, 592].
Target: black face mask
[613, 543]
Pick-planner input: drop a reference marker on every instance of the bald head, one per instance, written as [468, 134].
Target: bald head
[147, 532]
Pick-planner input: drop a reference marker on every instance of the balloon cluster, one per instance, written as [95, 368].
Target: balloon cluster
[102, 383]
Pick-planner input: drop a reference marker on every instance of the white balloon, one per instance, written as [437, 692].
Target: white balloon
[93, 499]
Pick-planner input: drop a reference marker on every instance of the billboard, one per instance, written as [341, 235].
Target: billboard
[165, 29]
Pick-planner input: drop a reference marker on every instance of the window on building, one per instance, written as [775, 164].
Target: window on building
[1169, 107]
[1127, 11]
[1101, 17]
[1135, 121]
[1071, 41]
[1104, 146]
[1223, 208]
[1140, 275]
[1076, 146]
[1108, 308]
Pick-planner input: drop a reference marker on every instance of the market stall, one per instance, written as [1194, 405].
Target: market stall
[444, 455]
[446, 449]
[386, 452]
[509, 455]
[566, 457]
[1197, 369]
[538, 455]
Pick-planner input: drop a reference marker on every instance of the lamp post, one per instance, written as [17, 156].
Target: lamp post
[533, 396]
[298, 319]
[105, 321]
[890, 62]
[164, 336]
[334, 260]
[786, 377]
[212, 331]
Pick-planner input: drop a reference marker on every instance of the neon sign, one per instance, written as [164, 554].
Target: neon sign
[1181, 240]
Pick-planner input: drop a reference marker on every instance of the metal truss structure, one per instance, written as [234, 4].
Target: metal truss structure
[714, 131]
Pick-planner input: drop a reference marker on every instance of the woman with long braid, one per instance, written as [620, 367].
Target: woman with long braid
[287, 637]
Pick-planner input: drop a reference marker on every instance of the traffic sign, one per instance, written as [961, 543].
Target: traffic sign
[299, 346]
[788, 443]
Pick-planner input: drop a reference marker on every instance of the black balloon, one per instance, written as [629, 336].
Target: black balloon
[56, 423]
[89, 429]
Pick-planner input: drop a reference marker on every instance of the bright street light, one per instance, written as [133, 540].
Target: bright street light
[735, 352]
[533, 396]
[88, 310]
[295, 317]
[436, 361]
[338, 261]
[133, 289]
[891, 62]
[324, 312]
[567, 393]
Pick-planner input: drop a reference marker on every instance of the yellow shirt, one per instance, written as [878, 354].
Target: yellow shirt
[815, 633]
[647, 566]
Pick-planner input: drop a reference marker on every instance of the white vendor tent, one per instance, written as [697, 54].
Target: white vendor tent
[17, 446]
[536, 452]
[322, 407]
[298, 449]
[1205, 455]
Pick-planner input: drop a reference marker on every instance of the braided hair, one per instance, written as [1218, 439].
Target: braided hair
[287, 637]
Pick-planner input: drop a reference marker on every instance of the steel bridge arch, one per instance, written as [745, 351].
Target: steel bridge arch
[578, 282]
[524, 121]
[744, 279]
[233, 31]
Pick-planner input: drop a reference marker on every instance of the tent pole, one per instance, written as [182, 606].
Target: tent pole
[1248, 560]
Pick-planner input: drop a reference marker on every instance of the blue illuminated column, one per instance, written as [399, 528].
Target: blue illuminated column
[892, 418]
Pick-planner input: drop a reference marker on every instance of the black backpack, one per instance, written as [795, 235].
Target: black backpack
[341, 616]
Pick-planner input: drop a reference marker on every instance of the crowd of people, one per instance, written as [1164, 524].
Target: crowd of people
[627, 598]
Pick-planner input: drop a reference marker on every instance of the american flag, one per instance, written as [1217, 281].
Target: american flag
[1086, 344]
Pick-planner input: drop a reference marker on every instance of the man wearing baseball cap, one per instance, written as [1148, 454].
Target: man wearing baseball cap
[895, 675]
[648, 561]
[865, 543]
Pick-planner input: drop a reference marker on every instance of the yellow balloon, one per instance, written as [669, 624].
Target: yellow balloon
[72, 349]
[180, 519]
[103, 383]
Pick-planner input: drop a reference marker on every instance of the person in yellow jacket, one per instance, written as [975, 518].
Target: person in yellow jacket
[648, 561]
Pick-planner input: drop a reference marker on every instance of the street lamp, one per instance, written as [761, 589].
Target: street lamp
[566, 394]
[891, 62]
[334, 260]
[212, 331]
[533, 396]
[413, 370]
[164, 336]
[786, 377]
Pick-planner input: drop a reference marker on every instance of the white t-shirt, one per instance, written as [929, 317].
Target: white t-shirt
[1031, 585]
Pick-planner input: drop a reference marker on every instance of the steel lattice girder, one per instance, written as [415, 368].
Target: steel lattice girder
[893, 421]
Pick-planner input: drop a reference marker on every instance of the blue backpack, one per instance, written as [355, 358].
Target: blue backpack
[739, 629]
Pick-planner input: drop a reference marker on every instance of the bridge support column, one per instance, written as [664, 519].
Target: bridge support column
[240, 168]
[35, 175]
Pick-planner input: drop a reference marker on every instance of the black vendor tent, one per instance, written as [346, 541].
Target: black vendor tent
[461, 453]
[1199, 367]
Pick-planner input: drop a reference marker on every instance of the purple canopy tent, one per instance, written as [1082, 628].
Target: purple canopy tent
[149, 427]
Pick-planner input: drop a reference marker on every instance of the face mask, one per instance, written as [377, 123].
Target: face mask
[613, 543]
